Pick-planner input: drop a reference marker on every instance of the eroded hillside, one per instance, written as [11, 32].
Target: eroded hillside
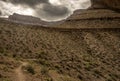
[85, 47]
[58, 55]
[111, 4]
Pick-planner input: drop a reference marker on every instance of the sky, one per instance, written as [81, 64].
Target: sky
[46, 10]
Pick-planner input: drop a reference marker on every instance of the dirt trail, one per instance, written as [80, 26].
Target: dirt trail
[19, 73]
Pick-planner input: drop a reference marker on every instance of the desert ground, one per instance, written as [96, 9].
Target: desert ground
[86, 47]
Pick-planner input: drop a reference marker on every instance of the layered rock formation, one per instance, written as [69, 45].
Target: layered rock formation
[80, 17]
[111, 4]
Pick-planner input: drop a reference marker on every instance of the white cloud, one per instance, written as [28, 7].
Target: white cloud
[72, 4]
[9, 9]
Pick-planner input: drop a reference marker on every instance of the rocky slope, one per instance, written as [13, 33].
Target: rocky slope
[61, 54]
[86, 47]
[111, 4]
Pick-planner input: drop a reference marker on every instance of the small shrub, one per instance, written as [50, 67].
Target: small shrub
[44, 71]
[80, 77]
[4, 79]
[43, 62]
[30, 69]
[49, 79]
[1, 76]
[98, 73]
[14, 55]
[1, 50]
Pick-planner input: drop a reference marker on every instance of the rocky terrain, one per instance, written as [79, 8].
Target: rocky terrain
[111, 4]
[80, 18]
[85, 47]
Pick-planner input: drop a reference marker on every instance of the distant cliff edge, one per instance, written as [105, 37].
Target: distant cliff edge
[25, 19]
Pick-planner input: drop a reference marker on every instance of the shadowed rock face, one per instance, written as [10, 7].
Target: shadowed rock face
[114, 4]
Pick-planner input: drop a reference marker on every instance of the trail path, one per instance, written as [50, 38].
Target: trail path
[19, 72]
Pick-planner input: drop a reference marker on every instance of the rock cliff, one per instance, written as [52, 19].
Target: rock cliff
[111, 4]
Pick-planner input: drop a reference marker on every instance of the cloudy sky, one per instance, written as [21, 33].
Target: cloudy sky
[47, 10]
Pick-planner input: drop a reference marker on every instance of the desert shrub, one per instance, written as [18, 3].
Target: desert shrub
[4, 79]
[80, 77]
[49, 79]
[43, 62]
[57, 67]
[114, 75]
[42, 55]
[30, 69]
[108, 80]
[1, 50]
[44, 71]
[1, 76]
[14, 55]
[98, 73]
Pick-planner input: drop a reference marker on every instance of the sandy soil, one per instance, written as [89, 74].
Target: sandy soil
[19, 72]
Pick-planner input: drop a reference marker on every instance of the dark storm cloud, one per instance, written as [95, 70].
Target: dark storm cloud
[26, 2]
[55, 10]
[53, 13]
[41, 8]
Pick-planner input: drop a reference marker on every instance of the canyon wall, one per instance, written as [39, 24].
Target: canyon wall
[113, 4]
